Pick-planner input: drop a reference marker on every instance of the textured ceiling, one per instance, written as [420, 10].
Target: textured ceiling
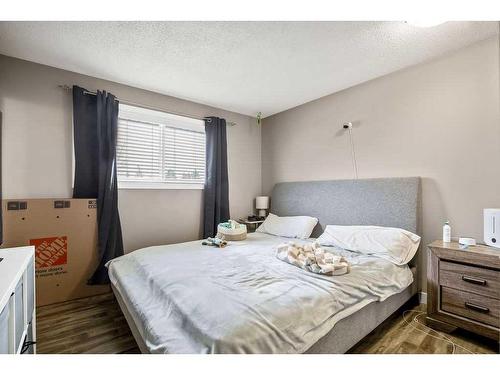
[244, 67]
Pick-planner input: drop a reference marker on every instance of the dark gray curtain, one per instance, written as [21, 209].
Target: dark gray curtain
[85, 144]
[216, 202]
[1, 220]
[95, 122]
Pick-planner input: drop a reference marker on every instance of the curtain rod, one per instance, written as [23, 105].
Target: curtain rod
[69, 88]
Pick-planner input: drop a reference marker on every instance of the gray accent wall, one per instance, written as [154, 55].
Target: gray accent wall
[439, 120]
[37, 152]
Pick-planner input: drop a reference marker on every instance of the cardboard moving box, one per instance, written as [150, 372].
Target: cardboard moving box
[64, 233]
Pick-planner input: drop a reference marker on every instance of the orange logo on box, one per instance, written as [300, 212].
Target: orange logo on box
[52, 251]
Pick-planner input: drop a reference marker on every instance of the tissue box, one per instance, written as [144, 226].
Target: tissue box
[237, 232]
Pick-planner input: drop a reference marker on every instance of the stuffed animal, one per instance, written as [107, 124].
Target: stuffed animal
[217, 242]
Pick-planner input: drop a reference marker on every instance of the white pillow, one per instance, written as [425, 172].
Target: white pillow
[288, 226]
[394, 244]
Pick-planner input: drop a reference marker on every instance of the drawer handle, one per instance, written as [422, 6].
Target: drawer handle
[473, 306]
[473, 280]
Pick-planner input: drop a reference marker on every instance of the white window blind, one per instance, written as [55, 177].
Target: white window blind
[159, 150]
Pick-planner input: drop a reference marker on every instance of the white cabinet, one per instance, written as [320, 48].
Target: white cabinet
[17, 300]
[4, 330]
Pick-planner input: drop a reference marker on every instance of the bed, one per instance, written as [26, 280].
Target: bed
[189, 298]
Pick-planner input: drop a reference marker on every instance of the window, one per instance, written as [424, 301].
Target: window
[157, 150]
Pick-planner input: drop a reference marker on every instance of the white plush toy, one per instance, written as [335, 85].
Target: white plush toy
[313, 258]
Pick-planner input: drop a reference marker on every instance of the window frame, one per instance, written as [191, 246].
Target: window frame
[163, 119]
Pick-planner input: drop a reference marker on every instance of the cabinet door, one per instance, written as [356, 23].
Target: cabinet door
[19, 312]
[31, 290]
[4, 330]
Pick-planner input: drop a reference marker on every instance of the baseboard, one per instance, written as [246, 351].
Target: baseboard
[422, 296]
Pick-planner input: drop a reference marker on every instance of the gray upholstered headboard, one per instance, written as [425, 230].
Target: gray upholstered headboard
[391, 202]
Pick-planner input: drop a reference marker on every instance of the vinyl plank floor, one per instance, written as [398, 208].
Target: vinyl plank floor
[97, 325]
[405, 332]
[88, 325]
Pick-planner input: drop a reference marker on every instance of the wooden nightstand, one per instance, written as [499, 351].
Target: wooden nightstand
[251, 225]
[463, 288]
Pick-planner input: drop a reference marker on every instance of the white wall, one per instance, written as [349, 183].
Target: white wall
[438, 120]
[37, 153]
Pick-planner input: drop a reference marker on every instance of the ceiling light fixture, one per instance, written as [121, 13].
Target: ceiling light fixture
[425, 23]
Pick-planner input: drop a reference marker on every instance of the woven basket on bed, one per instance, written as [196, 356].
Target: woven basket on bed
[236, 234]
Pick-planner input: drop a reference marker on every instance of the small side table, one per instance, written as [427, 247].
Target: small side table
[463, 288]
[251, 225]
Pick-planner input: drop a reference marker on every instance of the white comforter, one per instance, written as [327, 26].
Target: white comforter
[189, 298]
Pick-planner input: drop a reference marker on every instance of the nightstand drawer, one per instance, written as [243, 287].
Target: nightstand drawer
[479, 308]
[470, 278]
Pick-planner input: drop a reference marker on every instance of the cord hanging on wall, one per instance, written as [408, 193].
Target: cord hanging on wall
[348, 126]
[259, 118]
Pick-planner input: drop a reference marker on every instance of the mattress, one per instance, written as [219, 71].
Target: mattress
[189, 298]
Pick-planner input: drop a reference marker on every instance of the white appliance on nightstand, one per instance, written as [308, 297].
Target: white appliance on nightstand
[492, 227]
